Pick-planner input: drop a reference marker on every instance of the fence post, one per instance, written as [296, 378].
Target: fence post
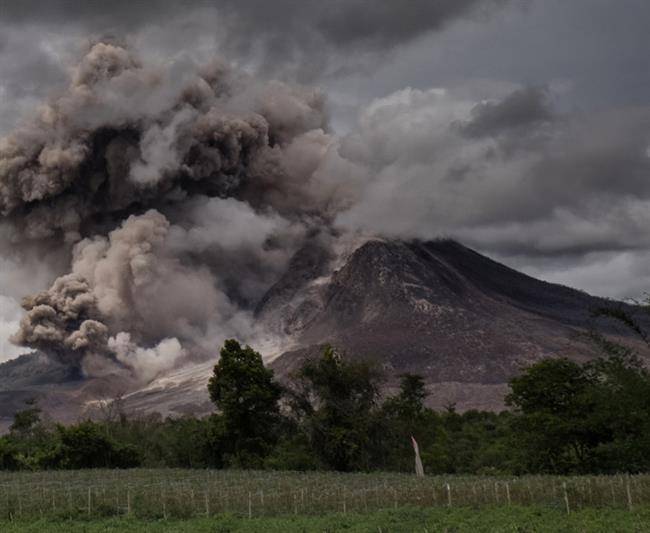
[566, 497]
[508, 492]
[448, 495]
[629, 492]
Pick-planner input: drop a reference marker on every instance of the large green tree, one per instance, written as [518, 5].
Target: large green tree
[247, 397]
[337, 400]
[555, 406]
[622, 399]
[592, 417]
[401, 417]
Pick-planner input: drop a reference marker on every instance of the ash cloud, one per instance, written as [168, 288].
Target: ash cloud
[180, 192]
[512, 176]
[123, 135]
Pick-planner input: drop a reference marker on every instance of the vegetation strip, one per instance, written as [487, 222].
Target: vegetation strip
[402, 520]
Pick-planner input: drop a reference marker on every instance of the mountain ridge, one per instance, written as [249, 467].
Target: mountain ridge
[445, 311]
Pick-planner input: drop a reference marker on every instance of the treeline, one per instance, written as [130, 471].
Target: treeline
[564, 417]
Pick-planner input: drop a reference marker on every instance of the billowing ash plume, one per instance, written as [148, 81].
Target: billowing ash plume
[179, 192]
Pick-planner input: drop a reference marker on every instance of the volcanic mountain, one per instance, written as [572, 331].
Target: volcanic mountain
[463, 321]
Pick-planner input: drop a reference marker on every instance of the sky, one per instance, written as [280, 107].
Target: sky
[520, 128]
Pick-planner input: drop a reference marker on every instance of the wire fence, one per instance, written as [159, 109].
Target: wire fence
[192, 493]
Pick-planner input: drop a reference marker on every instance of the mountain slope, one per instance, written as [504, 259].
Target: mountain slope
[439, 309]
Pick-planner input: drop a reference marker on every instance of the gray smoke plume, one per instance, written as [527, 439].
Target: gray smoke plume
[124, 135]
[179, 192]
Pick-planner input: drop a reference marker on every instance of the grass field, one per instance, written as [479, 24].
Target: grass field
[202, 500]
[402, 520]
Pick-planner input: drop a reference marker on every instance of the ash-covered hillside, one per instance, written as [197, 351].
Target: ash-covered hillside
[464, 321]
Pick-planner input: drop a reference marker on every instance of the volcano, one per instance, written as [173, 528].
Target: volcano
[463, 321]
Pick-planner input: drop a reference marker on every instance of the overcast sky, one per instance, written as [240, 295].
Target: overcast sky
[522, 128]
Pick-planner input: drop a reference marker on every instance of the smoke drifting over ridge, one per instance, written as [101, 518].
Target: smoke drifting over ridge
[179, 193]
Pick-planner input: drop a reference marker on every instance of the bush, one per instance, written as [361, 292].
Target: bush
[8, 459]
[87, 446]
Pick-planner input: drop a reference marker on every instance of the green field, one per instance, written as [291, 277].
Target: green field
[406, 519]
[231, 500]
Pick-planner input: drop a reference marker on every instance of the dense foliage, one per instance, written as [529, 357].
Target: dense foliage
[564, 417]
[244, 391]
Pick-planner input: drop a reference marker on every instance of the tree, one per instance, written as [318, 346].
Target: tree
[30, 437]
[622, 406]
[27, 421]
[555, 404]
[8, 459]
[410, 400]
[336, 400]
[247, 396]
[593, 417]
[475, 442]
[401, 417]
[86, 445]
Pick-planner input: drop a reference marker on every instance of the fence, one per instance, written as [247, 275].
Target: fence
[184, 494]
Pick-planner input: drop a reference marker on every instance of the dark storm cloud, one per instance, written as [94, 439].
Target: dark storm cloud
[125, 13]
[592, 51]
[316, 37]
[345, 22]
[521, 110]
[300, 38]
[339, 21]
